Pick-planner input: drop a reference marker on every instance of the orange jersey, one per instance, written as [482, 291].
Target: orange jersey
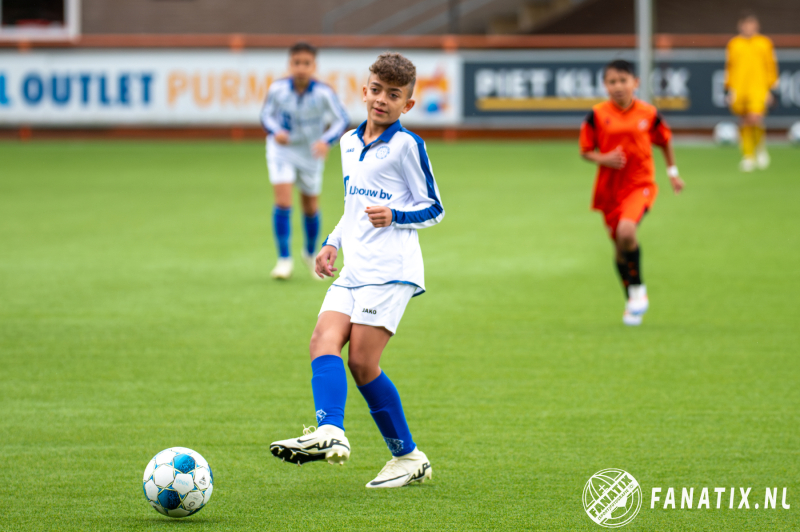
[635, 129]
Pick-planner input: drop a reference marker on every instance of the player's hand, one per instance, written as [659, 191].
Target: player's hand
[320, 149]
[379, 216]
[729, 97]
[770, 99]
[614, 159]
[282, 137]
[325, 260]
[677, 184]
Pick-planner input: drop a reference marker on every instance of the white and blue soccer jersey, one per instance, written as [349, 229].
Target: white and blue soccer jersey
[304, 116]
[392, 171]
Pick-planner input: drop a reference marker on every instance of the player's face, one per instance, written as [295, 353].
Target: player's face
[386, 102]
[302, 66]
[621, 86]
[749, 26]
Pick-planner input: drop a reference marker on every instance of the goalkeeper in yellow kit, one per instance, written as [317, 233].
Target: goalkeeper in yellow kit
[751, 73]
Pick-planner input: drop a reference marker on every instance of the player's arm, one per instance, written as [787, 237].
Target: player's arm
[335, 129]
[427, 209]
[326, 257]
[728, 63]
[269, 119]
[588, 142]
[772, 73]
[661, 136]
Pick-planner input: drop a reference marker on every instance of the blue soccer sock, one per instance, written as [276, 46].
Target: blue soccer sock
[329, 384]
[387, 411]
[312, 232]
[282, 225]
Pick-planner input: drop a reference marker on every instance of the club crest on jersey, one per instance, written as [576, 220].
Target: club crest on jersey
[643, 125]
[382, 152]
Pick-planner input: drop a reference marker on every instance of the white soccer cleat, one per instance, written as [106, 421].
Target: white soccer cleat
[748, 164]
[403, 470]
[324, 443]
[762, 159]
[311, 262]
[636, 306]
[631, 320]
[283, 269]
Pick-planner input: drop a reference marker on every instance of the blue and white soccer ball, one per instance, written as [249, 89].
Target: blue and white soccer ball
[794, 134]
[178, 482]
[726, 134]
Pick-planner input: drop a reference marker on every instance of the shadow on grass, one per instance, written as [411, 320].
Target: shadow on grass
[169, 521]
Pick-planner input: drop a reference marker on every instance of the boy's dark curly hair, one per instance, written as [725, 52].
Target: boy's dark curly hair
[395, 69]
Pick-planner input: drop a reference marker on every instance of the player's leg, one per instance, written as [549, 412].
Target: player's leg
[329, 386]
[310, 184]
[749, 137]
[628, 250]
[612, 221]
[383, 307]
[282, 175]
[629, 255]
[739, 107]
[756, 117]
[311, 224]
[408, 464]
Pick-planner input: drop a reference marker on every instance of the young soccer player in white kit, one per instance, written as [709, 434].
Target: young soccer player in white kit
[390, 192]
[294, 116]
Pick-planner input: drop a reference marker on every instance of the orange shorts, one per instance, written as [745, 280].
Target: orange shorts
[632, 207]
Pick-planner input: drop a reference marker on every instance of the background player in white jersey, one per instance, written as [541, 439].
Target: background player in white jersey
[390, 192]
[295, 115]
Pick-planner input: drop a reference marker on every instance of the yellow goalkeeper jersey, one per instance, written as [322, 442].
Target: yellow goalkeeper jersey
[750, 65]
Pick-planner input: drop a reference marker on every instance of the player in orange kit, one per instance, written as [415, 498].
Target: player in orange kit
[751, 72]
[618, 135]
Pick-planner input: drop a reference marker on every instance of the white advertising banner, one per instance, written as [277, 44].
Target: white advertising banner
[193, 87]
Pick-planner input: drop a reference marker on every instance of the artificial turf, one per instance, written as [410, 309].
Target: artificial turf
[137, 313]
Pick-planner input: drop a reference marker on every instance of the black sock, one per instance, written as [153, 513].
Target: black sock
[622, 269]
[632, 259]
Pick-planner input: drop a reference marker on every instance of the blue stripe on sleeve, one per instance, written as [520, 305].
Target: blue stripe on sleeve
[414, 217]
[403, 217]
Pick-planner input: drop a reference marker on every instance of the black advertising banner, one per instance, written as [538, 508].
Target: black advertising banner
[558, 88]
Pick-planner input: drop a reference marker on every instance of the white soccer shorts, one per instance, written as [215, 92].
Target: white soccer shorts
[380, 305]
[308, 181]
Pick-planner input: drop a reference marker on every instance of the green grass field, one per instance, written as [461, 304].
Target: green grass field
[136, 313]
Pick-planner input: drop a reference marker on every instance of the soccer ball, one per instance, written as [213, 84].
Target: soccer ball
[794, 134]
[178, 482]
[726, 133]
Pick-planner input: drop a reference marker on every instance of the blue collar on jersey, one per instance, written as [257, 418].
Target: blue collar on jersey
[308, 89]
[386, 136]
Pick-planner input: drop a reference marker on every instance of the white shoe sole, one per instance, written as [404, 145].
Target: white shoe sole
[336, 453]
[632, 320]
[425, 472]
[282, 274]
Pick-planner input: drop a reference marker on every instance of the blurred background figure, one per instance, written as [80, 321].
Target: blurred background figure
[751, 73]
[298, 139]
